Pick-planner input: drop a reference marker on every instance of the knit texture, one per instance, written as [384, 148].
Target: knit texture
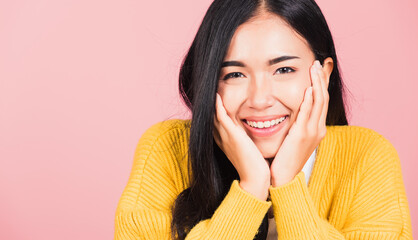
[356, 191]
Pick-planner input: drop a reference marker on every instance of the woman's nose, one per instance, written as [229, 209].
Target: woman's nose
[260, 94]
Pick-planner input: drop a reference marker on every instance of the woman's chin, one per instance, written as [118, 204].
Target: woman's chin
[270, 147]
[269, 154]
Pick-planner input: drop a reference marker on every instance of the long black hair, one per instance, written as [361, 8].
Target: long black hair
[211, 171]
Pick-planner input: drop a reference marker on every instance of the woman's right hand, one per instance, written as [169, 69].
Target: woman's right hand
[252, 168]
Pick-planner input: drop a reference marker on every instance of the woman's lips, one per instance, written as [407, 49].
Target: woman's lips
[265, 132]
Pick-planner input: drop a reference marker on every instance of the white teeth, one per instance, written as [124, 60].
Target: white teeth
[265, 124]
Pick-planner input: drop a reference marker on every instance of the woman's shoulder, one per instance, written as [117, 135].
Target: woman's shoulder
[158, 164]
[361, 134]
[165, 132]
[361, 143]
[169, 126]
[352, 129]
[162, 152]
[169, 135]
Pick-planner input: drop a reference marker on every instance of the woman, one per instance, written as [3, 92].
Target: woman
[262, 81]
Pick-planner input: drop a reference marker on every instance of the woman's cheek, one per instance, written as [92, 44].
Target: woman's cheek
[295, 95]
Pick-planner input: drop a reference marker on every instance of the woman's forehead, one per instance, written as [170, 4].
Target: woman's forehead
[266, 35]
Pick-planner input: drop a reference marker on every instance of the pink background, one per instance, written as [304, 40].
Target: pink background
[80, 81]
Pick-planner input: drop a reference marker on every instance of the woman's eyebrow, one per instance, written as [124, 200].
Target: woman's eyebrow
[270, 62]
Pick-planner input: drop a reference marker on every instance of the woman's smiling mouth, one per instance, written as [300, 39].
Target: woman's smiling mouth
[263, 127]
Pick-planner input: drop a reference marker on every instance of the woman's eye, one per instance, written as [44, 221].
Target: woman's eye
[233, 75]
[285, 70]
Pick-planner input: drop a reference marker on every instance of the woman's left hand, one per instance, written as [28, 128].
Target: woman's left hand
[307, 131]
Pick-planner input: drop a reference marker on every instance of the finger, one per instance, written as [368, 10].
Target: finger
[218, 105]
[305, 108]
[318, 97]
[223, 116]
[218, 130]
[324, 83]
[220, 110]
[225, 123]
[218, 120]
[217, 137]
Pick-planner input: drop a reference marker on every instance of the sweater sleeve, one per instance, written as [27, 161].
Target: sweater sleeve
[144, 209]
[379, 209]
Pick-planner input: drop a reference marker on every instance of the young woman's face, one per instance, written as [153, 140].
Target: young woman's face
[254, 87]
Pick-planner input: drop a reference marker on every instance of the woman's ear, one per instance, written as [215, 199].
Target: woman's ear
[328, 66]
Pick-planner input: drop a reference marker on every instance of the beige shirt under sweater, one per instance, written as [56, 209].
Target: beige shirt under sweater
[307, 170]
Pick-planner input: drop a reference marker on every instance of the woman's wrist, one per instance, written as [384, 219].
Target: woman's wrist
[259, 189]
[281, 179]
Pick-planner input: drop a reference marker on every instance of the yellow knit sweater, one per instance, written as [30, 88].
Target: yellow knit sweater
[355, 191]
